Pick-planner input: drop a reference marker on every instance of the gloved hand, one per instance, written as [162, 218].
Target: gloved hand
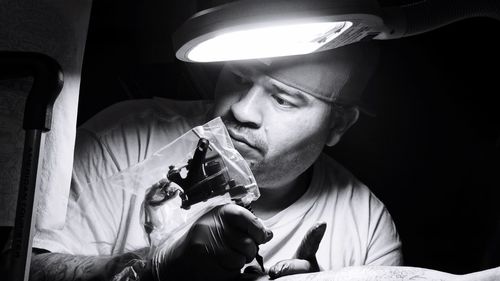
[304, 260]
[216, 247]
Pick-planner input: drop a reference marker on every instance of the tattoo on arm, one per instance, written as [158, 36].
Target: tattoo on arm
[64, 267]
[59, 267]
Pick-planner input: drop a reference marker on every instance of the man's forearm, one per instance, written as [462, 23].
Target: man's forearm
[375, 273]
[492, 274]
[392, 273]
[65, 267]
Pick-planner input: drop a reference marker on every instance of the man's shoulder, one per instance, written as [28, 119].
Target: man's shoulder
[128, 132]
[357, 212]
[133, 113]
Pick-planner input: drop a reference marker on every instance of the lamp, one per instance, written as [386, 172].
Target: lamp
[250, 29]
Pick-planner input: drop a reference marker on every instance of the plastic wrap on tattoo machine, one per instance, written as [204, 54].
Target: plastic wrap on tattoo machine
[185, 179]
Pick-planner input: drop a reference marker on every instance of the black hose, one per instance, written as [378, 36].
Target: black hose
[426, 15]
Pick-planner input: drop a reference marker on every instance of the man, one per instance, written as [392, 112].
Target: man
[280, 113]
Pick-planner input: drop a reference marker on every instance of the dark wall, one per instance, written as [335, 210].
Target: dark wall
[431, 154]
[129, 53]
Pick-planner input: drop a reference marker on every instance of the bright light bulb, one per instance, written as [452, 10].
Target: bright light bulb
[274, 41]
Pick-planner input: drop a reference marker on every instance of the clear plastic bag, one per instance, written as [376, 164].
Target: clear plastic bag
[165, 214]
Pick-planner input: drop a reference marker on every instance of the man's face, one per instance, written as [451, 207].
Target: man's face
[278, 129]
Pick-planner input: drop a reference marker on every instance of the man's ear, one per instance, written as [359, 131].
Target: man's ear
[341, 121]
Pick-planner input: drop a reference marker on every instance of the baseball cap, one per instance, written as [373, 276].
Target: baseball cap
[338, 75]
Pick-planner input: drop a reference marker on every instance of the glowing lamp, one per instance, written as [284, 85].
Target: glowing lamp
[250, 29]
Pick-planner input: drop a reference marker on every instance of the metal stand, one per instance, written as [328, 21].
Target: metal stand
[47, 84]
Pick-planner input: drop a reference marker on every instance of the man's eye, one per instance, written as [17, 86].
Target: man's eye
[282, 102]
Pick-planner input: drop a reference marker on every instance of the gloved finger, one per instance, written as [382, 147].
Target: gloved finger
[214, 270]
[253, 269]
[224, 236]
[243, 220]
[310, 244]
[289, 267]
[199, 264]
[240, 243]
[230, 260]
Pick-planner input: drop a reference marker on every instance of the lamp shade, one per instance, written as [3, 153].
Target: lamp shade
[250, 29]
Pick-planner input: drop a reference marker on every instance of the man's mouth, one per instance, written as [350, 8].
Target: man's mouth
[240, 141]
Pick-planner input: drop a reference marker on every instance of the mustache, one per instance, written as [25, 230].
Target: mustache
[250, 134]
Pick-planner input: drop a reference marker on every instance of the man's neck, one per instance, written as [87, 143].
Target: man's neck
[274, 199]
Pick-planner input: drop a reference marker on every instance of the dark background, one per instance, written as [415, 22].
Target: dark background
[432, 153]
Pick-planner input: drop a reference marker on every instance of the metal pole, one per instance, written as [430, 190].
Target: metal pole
[26, 206]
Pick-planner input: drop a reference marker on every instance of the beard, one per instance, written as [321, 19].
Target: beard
[275, 170]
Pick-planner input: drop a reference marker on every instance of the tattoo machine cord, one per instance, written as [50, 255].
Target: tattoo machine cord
[258, 257]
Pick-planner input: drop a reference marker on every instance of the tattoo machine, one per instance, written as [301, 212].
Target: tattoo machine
[184, 179]
[206, 178]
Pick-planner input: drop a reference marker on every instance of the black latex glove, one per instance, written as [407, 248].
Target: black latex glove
[216, 247]
[304, 260]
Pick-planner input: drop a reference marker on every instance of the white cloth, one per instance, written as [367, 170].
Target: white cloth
[103, 221]
[57, 28]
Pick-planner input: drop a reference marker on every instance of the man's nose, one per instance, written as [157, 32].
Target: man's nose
[248, 109]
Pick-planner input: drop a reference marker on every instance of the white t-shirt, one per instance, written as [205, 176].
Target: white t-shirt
[105, 220]
[359, 230]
